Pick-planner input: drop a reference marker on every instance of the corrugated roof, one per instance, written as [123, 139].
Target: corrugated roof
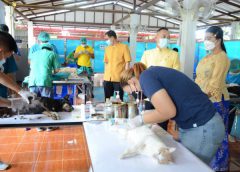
[226, 11]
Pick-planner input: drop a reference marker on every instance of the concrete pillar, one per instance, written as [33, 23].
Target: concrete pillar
[134, 26]
[9, 19]
[2, 13]
[235, 33]
[188, 42]
[31, 40]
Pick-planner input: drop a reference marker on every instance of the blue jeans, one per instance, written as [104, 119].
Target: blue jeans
[42, 91]
[203, 141]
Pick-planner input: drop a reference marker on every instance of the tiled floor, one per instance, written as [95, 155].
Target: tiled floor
[62, 150]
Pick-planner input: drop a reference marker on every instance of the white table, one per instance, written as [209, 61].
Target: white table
[105, 148]
[76, 117]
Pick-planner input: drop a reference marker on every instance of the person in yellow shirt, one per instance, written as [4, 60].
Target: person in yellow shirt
[161, 55]
[84, 53]
[165, 57]
[116, 59]
[210, 76]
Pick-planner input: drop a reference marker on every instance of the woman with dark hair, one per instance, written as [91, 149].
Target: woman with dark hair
[175, 96]
[211, 74]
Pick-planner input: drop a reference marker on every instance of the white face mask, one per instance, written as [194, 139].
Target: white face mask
[1, 64]
[3, 60]
[108, 42]
[163, 42]
[209, 45]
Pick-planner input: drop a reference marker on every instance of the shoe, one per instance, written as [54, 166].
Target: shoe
[3, 166]
[27, 129]
[40, 129]
[52, 129]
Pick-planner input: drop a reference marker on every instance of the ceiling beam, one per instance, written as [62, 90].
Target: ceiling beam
[51, 7]
[79, 9]
[140, 8]
[82, 24]
[219, 24]
[145, 6]
[28, 8]
[122, 19]
[222, 19]
[75, 9]
[16, 10]
[58, 5]
[165, 20]
[227, 14]
[231, 3]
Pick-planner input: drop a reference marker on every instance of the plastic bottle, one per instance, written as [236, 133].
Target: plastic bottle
[108, 110]
[88, 107]
[125, 98]
[118, 97]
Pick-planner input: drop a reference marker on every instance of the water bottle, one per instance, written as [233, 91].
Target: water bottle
[108, 110]
[88, 107]
[125, 98]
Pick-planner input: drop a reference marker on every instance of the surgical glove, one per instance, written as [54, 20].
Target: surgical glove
[80, 53]
[17, 104]
[136, 122]
[27, 96]
[86, 52]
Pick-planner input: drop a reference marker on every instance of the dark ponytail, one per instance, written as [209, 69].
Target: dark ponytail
[218, 32]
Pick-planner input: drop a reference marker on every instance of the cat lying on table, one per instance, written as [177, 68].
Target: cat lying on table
[47, 106]
[146, 142]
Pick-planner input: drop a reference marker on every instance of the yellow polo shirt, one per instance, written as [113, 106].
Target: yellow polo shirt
[161, 57]
[115, 59]
[84, 59]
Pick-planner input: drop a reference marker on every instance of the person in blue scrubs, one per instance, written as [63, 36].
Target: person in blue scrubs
[175, 96]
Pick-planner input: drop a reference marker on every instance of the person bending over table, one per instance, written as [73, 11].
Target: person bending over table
[7, 47]
[175, 96]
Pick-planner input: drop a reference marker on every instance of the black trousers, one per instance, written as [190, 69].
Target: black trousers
[110, 87]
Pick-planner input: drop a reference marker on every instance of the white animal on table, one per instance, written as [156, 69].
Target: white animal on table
[146, 142]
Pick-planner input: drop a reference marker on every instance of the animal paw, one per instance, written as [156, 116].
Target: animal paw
[53, 115]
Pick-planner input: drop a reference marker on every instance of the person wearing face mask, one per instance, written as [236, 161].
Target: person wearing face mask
[211, 74]
[116, 59]
[84, 53]
[43, 38]
[7, 47]
[201, 129]
[9, 66]
[43, 63]
[161, 55]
